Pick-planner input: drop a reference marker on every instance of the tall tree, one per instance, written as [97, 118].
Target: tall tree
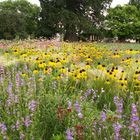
[123, 22]
[22, 15]
[71, 17]
[135, 2]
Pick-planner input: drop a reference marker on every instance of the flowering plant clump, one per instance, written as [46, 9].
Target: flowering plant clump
[69, 91]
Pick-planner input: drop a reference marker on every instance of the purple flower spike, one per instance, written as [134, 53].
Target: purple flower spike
[69, 135]
[103, 116]
[77, 107]
[134, 121]
[117, 128]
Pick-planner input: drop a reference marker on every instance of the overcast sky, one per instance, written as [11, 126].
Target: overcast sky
[121, 2]
[114, 3]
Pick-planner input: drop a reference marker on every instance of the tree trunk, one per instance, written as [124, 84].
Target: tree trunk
[70, 34]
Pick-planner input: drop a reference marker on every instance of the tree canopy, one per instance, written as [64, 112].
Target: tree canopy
[74, 19]
[71, 17]
[123, 22]
[135, 2]
[18, 18]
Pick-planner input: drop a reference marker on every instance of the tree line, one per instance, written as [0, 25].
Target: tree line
[74, 19]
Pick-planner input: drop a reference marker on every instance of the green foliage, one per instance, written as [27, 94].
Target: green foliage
[18, 19]
[123, 22]
[71, 17]
[40, 106]
[135, 2]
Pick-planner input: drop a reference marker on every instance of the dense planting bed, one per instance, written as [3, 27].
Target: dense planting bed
[67, 91]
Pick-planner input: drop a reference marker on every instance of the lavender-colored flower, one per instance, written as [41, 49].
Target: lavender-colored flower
[17, 80]
[134, 121]
[12, 99]
[115, 100]
[32, 105]
[27, 121]
[88, 92]
[3, 128]
[9, 89]
[119, 106]
[77, 107]
[117, 128]
[134, 116]
[69, 135]
[103, 116]
[17, 124]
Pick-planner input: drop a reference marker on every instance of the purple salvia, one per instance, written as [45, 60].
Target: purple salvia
[119, 106]
[3, 128]
[103, 116]
[32, 105]
[17, 124]
[17, 80]
[69, 135]
[9, 89]
[115, 100]
[78, 110]
[117, 127]
[88, 92]
[12, 99]
[77, 107]
[134, 120]
[27, 121]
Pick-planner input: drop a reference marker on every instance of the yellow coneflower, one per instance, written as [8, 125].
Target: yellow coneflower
[87, 66]
[35, 71]
[41, 65]
[58, 64]
[6, 53]
[107, 82]
[23, 74]
[62, 70]
[122, 86]
[52, 64]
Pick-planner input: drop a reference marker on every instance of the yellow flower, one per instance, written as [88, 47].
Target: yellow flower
[35, 71]
[23, 74]
[41, 65]
[40, 79]
[107, 82]
[47, 70]
[52, 64]
[87, 66]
